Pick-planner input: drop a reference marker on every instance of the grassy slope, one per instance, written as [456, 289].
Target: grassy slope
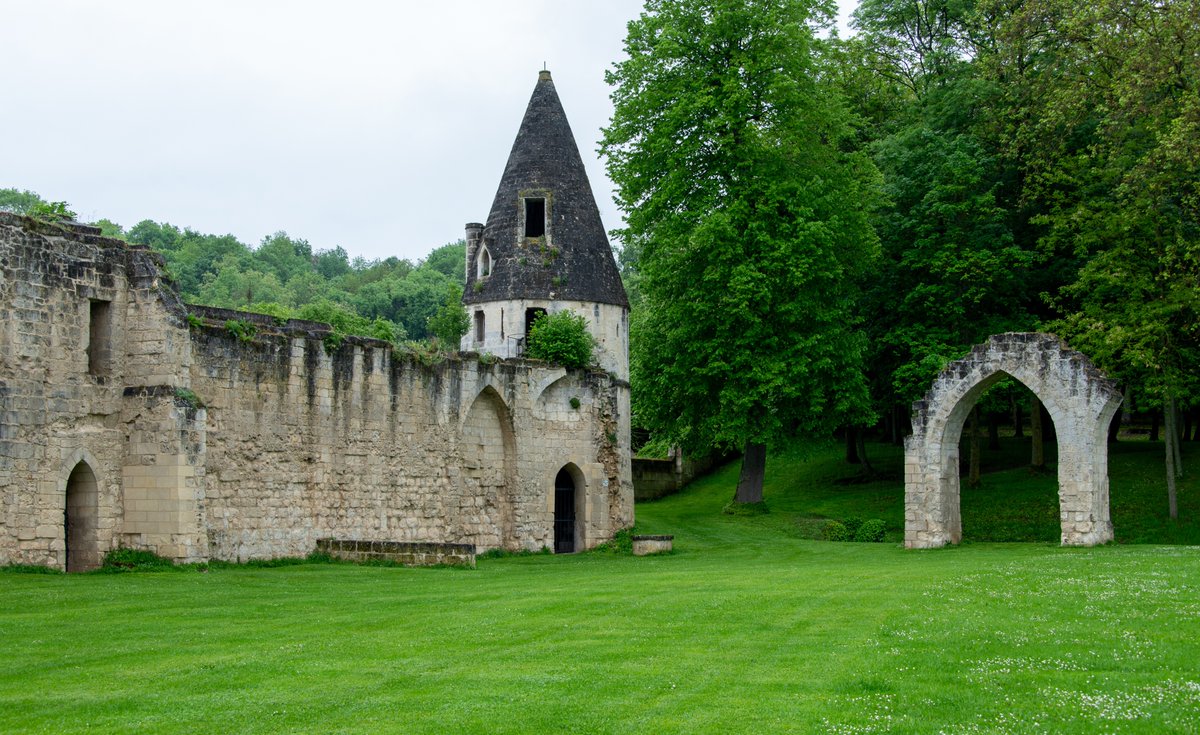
[747, 628]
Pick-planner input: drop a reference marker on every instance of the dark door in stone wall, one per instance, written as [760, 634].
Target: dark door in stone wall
[564, 513]
[81, 521]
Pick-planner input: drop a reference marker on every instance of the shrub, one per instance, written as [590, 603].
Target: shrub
[561, 338]
[852, 525]
[187, 398]
[243, 330]
[51, 211]
[870, 531]
[126, 558]
[835, 531]
[621, 543]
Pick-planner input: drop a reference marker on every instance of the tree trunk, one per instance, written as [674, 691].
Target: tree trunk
[860, 436]
[754, 468]
[973, 475]
[1174, 409]
[1172, 505]
[993, 431]
[851, 446]
[1018, 419]
[1038, 457]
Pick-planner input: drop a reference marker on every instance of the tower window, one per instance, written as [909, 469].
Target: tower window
[531, 316]
[479, 325]
[535, 216]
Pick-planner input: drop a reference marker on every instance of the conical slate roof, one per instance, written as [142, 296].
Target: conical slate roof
[573, 260]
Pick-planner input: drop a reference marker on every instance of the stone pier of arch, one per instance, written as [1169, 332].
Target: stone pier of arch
[1080, 401]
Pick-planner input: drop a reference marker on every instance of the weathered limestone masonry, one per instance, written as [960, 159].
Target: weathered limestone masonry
[1081, 403]
[126, 421]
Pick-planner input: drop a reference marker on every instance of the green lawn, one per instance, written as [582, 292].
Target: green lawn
[748, 627]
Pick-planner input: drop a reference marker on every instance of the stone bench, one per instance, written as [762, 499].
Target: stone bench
[644, 545]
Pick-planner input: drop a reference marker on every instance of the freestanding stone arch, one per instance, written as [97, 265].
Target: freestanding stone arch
[1080, 401]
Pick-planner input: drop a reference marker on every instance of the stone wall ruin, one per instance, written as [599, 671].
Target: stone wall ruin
[128, 418]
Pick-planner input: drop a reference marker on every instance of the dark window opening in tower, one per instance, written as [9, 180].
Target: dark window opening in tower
[479, 325]
[535, 217]
[531, 316]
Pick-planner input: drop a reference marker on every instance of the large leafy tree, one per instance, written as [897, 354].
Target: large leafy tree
[749, 223]
[1120, 131]
[956, 264]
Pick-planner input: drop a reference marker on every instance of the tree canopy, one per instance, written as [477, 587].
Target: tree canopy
[725, 148]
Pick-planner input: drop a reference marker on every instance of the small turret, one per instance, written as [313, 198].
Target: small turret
[544, 247]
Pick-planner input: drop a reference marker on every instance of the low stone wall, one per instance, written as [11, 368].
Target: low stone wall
[646, 545]
[658, 478]
[411, 554]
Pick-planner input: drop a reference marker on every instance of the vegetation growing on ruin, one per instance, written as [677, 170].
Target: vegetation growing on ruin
[562, 338]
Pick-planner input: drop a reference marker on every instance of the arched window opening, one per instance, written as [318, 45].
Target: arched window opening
[483, 263]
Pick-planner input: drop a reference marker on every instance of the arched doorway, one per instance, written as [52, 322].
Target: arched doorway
[81, 520]
[564, 513]
[1081, 403]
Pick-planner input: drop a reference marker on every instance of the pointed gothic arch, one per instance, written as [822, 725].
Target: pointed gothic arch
[569, 504]
[1080, 401]
[488, 449]
[483, 263]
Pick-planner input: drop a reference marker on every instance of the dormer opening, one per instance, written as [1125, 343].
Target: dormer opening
[535, 216]
[483, 263]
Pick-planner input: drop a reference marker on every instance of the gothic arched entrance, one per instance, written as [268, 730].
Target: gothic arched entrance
[565, 522]
[1080, 401]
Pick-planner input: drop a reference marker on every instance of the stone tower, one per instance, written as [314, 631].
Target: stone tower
[544, 248]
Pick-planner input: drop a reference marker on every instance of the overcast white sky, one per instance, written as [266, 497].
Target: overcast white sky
[382, 127]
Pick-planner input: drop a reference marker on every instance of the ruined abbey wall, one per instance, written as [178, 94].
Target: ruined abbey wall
[128, 418]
